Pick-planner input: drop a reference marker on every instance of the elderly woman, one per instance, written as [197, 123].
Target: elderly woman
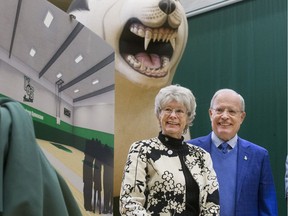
[164, 175]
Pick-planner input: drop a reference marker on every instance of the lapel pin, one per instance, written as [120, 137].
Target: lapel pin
[245, 157]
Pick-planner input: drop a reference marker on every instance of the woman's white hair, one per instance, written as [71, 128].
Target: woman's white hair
[179, 94]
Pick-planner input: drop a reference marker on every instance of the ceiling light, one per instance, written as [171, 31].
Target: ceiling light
[32, 52]
[48, 19]
[76, 90]
[59, 82]
[95, 82]
[79, 58]
[59, 75]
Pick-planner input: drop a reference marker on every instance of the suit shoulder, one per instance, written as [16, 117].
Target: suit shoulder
[196, 141]
[253, 146]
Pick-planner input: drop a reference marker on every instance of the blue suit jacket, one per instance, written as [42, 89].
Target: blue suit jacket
[255, 193]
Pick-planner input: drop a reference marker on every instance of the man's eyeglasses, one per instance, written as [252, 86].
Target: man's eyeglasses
[231, 112]
[178, 112]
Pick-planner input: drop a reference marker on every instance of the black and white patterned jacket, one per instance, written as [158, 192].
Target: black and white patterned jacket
[153, 181]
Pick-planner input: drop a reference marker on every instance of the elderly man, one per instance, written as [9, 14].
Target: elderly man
[243, 168]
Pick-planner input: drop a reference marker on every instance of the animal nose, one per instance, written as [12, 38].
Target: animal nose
[167, 6]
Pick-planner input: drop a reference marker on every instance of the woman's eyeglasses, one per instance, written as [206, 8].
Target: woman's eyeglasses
[178, 112]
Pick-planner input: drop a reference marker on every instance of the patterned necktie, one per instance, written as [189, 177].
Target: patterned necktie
[224, 147]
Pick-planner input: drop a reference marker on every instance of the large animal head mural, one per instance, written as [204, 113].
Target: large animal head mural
[148, 36]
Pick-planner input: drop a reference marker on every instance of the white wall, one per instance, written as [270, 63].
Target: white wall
[12, 85]
[86, 114]
[98, 117]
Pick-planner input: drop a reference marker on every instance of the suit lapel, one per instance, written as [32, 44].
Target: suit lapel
[243, 162]
[206, 143]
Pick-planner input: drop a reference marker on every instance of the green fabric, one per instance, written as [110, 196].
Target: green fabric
[29, 185]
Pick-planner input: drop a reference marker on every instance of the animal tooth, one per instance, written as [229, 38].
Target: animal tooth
[169, 35]
[165, 35]
[142, 67]
[137, 65]
[159, 36]
[133, 61]
[174, 34]
[141, 32]
[165, 62]
[146, 42]
[155, 34]
[130, 59]
[154, 37]
[165, 66]
[172, 42]
[168, 38]
[157, 72]
[133, 29]
[149, 70]
[148, 36]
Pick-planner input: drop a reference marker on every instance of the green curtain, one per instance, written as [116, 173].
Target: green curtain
[244, 47]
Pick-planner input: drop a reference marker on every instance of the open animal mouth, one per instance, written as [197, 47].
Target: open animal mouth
[147, 50]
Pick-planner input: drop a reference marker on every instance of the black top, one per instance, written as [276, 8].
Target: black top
[192, 188]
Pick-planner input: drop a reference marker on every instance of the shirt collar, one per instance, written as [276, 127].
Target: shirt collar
[217, 141]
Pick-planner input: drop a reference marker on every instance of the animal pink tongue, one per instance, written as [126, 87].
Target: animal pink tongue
[151, 61]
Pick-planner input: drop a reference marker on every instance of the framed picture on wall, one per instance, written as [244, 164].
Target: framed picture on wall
[195, 7]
